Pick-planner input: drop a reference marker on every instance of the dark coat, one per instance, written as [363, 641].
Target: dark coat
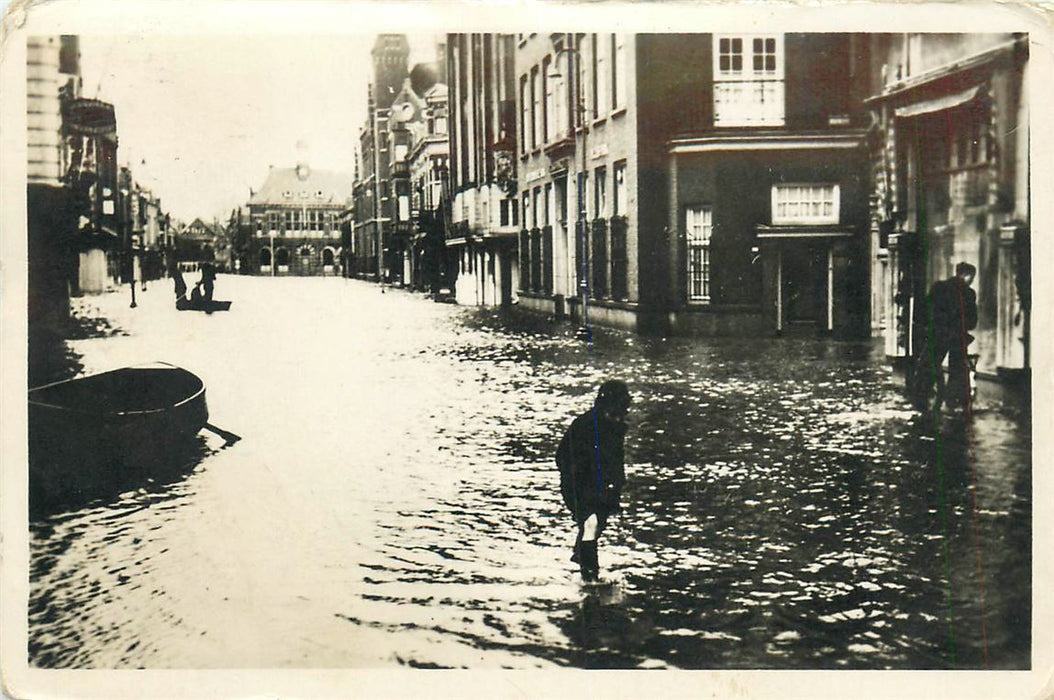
[591, 461]
[954, 306]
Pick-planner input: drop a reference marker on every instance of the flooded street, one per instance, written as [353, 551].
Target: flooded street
[394, 502]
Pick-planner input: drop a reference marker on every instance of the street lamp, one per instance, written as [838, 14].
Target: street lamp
[129, 251]
[270, 235]
[581, 231]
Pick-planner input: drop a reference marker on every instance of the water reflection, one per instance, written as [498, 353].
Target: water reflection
[785, 509]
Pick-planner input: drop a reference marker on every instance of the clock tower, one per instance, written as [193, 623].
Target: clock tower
[391, 54]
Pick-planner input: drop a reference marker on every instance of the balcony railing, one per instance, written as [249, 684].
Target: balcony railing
[749, 103]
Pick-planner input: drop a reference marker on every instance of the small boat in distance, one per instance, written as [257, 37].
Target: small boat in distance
[206, 305]
[112, 424]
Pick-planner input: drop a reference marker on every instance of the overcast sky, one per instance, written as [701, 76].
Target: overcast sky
[200, 118]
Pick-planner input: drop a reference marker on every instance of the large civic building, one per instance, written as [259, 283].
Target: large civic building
[294, 222]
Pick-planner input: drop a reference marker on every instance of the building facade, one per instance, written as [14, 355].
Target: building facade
[372, 254]
[694, 183]
[295, 222]
[429, 165]
[950, 160]
[75, 241]
[768, 187]
[483, 218]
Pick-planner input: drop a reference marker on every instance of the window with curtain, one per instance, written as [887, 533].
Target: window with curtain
[698, 229]
[601, 194]
[815, 203]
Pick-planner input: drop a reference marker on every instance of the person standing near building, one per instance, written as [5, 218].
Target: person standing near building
[591, 461]
[951, 310]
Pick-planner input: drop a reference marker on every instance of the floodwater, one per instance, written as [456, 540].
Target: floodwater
[393, 502]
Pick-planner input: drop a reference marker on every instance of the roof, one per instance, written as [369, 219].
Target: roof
[210, 229]
[301, 186]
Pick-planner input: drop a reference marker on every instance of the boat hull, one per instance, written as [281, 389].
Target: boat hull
[206, 306]
[111, 427]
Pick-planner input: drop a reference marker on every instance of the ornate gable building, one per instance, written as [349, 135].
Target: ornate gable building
[295, 222]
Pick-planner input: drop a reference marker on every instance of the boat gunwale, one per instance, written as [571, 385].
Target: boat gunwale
[198, 394]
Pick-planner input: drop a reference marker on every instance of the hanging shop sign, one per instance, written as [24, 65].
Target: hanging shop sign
[89, 117]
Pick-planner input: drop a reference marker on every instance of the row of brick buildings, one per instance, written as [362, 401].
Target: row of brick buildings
[692, 183]
[743, 183]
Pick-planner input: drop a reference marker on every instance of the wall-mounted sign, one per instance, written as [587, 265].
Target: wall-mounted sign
[598, 151]
[84, 116]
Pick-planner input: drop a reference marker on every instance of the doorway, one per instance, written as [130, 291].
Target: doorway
[804, 288]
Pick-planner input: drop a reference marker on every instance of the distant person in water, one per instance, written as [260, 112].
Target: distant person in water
[208, 279]
[180, 283]
[592, 470]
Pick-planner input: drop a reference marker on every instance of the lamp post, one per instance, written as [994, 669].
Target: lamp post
[128, 245]
[581, 230]
[270, 235]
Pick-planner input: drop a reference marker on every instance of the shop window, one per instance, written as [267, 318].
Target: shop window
[805, 204]
[748, 80]
[698, 226]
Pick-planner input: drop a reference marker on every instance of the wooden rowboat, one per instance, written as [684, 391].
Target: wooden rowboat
[202, 305]
[115, 422]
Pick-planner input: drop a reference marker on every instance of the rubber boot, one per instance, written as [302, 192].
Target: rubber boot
[588, 562]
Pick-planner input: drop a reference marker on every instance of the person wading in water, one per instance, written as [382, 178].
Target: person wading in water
[592, 470]
[952, 313]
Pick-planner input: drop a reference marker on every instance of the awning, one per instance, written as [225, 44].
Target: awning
[938, 104]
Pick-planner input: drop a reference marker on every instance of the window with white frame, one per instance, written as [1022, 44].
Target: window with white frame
[525, 114]
[698, 229]
[601, 193]
[602, 46]
[549, 116]
[815, 203]
[619, 199]
[559, 113]
[618, 68]
[748, 80]
[536, 109]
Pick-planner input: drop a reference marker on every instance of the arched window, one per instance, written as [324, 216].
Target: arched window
[305, 251]
[265, 256]
[282, 256]
[327, 256]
